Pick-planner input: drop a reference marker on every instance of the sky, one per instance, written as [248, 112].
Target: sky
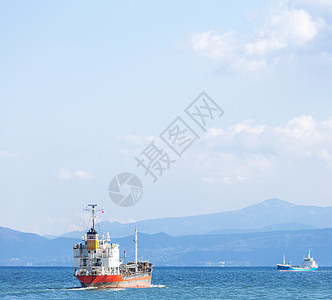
[85, 87]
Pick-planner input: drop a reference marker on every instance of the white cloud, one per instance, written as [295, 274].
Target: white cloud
[301, 136]
[122, 220]
[246, 151]
[283, 34]
[248, 65]
[212, 45]
[291, 28]
[263, 45]
[64, 174]
[318, 4]
[229, 168]
[294, 26]
[8, 154]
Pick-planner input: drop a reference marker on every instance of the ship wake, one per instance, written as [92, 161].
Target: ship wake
[158, 286]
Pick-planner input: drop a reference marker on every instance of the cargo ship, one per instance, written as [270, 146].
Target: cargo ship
[97, 262]
[308, 264]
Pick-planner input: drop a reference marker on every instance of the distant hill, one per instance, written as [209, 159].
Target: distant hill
[269, 215]
[19, 248]
[242, 249]
[275, 227]
[250, 249]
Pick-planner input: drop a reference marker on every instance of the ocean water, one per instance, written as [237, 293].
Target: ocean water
[172, 283]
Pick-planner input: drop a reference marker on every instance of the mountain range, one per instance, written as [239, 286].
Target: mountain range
[254, 236]
[240, 249]
[269, 215]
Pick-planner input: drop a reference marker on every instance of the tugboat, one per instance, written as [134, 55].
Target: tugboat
[97, 262]
[308, 265]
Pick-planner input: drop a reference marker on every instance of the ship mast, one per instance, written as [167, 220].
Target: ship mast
[136, 241]
[93, 210]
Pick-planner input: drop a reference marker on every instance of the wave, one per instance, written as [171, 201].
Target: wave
[79, 288]
[158, 286]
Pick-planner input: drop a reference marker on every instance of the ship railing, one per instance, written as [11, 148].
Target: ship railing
[138, 274]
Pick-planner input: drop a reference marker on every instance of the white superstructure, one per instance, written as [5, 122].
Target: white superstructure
[96, 255]
[308, 262]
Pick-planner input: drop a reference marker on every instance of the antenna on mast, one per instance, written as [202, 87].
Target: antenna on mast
[136, 241]
[93, 211]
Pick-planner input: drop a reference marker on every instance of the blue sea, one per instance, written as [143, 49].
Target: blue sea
[172, 283]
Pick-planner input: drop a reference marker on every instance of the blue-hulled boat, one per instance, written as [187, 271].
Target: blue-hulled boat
[308, 264]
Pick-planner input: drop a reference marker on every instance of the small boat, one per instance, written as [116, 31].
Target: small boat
[308, 264]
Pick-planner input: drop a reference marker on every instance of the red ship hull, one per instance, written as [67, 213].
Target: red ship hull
[114, 281]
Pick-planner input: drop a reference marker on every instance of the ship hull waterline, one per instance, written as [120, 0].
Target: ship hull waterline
[294, 269]
[114, 281]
